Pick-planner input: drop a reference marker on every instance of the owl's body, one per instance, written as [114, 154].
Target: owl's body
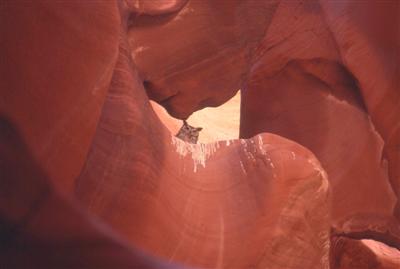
[189, 133]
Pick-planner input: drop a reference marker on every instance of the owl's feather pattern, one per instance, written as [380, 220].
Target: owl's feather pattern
[189, 133]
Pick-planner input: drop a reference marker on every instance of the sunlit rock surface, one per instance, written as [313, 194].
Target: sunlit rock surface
[337, 94]
[364, 254]
[218, 123]
[235, 203]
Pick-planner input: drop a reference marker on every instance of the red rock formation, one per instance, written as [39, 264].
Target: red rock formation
[196, 203]
[337, 94]
[368, 38]
[186, 62]
[41, 227]
[155, 7]
[47, 92]
[243, 199]
[90, 140]
[363, 254]
[323, 76]
[301, 83]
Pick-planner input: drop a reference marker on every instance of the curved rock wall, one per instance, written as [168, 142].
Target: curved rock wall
[90, 177]
[337, 94]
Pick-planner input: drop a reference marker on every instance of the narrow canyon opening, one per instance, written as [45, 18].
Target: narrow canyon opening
[218, 123]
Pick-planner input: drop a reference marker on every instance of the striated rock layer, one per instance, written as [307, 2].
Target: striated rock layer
[320, 95]
[363, 254]
[91, 178]
[338, 95]
[322, 73]
[238, 203]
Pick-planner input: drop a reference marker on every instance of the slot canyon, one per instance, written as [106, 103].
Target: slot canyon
[297, 105]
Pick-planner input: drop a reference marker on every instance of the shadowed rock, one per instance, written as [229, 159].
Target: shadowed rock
[92, 163]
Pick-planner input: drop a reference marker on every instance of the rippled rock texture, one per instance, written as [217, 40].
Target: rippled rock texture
[91, 178]
[364, 253]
